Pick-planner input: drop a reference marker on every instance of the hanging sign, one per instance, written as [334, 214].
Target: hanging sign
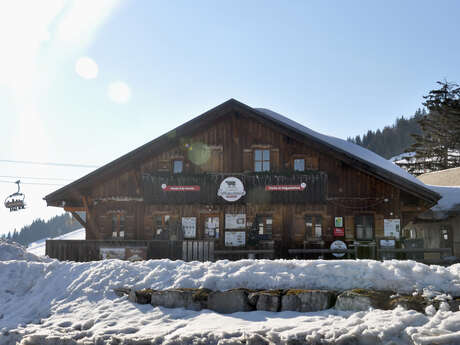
[339, 232]
[338, 245]
[167, 188]
[286, 188]
[391, 227]
[231, 189]
[235, 221]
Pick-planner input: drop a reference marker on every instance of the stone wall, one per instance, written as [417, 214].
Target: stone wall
[241, 300]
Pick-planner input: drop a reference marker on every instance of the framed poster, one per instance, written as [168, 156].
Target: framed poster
[391, 227]
[235, 238]
[235, 221]
[338, 222]
[339, 232]
[189, 227]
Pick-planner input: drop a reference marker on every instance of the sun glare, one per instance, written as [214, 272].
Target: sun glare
[86, 68]
[119, 92]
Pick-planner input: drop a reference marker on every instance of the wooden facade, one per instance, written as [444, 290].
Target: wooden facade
[305, 190]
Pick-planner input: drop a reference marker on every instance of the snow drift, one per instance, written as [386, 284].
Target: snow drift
[73, 303]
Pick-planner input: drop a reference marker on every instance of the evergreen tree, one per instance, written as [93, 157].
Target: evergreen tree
[437, 147]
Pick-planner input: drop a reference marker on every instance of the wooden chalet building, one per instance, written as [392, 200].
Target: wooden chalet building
[238, 180]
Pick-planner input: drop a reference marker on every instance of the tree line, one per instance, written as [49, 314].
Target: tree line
[431, 136]
[39, 229]
[392, 140]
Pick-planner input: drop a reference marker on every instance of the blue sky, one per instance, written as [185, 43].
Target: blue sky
[338, 67]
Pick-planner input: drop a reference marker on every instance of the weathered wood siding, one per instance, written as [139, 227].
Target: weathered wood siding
[227, 146]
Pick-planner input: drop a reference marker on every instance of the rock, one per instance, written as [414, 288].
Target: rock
[307, 300]
[252, 298]
[268, 300]
[409, 302]
[454, 304]
[361, 299]
[231, 301]
[120, 292]
[141, 296]
[179, 298]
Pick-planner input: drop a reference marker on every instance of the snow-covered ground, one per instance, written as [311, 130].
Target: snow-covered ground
[44, 301]
[38, 247]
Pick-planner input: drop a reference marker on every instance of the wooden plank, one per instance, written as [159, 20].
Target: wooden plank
[415, 250]
[189, 250]
[319, 251]
[184, 250]
[79, 219]
[200, 251]
[74, 209]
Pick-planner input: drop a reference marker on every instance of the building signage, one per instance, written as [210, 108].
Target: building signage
[231, 189]
[286, 188]
[339, 232]
[112, 253]
[167, 188]
[235, 221]
[391, 227]
[136, 253]
[235, 238]
[338, 245]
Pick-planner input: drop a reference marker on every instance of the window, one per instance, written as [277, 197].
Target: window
[364, 225]
[264, 226]
[314, 227]
[178, 166]
[118, 225]
[261, 160]
[161, 226]
[299, 164]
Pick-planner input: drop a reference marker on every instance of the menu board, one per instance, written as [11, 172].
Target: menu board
[235, 238]
[189, 227]
[391, 227]
[235, 221]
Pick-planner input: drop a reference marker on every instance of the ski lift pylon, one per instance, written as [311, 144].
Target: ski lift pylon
[15, 201]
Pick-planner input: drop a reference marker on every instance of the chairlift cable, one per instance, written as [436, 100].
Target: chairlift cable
[69, 165]
[38, 178]
[34, 183]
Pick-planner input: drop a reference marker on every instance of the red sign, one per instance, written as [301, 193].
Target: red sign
[286, 188]
[167, 188]
[339, 232]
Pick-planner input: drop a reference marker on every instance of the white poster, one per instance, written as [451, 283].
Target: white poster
[235, 221]
[211, 227]
[189, 227]
[391, 227]
[235, 238]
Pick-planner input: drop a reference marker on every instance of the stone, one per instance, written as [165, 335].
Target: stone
[410, 302]
[121, 291]
[307, 300]
[231, 301]
[252, 298]
[268, 301]
[361, 299]
[176, 298]
[454, 304]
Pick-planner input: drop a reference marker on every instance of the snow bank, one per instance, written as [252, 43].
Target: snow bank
[73, 303]
[13, 251]
[39, 247]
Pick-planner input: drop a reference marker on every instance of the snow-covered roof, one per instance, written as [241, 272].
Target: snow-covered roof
[448, 204]
[353, 150]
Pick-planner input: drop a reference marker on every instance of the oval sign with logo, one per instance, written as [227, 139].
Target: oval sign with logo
[338, 245]
[231, 189]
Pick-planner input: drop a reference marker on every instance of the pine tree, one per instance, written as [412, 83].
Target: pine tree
[437, 146]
